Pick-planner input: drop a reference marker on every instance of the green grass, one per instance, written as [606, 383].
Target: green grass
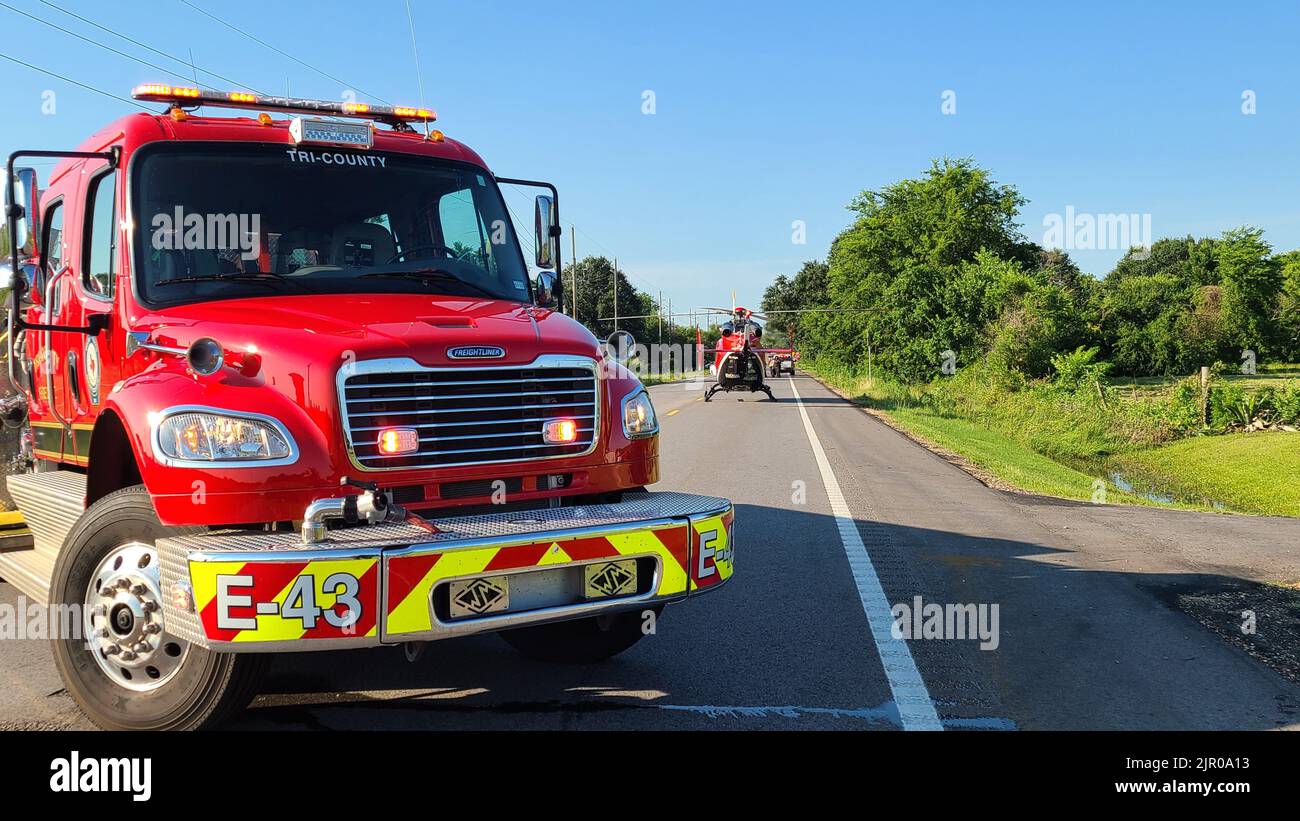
[1274, 375]
[1002, 456]
[1014, 461]
[1250, 472]
[659, 379]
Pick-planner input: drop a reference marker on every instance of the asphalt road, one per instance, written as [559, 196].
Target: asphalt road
[1088, 633]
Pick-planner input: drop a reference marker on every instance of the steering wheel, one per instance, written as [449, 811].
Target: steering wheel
[440, 250]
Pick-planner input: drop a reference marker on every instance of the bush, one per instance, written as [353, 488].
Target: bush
[1079, 370]
[1223, 402]
[1286, 403]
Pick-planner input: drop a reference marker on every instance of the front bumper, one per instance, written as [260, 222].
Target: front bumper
[249, 591]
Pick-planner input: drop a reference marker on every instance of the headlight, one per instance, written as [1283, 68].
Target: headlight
[197, 436]
[639, 416]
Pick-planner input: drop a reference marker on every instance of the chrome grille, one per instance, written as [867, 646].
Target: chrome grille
[468, 415]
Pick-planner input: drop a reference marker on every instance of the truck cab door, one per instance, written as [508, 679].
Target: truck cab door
[40, 359]
[88, 363]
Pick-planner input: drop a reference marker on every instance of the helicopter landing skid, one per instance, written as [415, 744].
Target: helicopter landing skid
[708, 395]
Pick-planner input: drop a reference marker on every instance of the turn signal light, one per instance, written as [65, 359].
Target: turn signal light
[396, 441]
[560, 432]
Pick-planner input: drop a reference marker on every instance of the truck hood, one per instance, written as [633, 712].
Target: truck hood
[292, 332]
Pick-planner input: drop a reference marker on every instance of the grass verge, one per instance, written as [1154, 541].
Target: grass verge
[1248, 472]
[998, 458]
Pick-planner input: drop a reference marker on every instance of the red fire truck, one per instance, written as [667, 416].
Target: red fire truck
[284, 383]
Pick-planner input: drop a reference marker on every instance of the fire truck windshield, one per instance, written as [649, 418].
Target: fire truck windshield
[224, 221]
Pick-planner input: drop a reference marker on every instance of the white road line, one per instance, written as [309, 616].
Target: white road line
[915, 707]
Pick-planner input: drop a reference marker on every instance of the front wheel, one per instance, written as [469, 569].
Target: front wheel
[581, 641]
[114, 651]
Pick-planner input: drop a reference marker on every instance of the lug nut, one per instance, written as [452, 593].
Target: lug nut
[123, 583]
[104, 633]
[138, 590]
[107, 592]
[127, 655]
[142, 648]
[149, 606]
[112, 650]
[151, 629]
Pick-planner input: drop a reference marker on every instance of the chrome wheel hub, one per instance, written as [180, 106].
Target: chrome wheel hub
[123, 620]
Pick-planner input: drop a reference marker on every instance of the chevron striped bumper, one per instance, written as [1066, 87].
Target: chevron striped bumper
[248, 592]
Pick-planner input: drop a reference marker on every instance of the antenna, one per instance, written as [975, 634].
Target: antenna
[419, 75]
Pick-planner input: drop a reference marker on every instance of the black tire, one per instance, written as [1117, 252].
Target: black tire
[581, 641]
[207, 687]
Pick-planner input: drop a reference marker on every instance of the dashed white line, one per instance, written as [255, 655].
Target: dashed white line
[915, 707]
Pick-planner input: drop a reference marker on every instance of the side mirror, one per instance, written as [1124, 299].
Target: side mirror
[726, 332]
[545, 291]
[22, 211]
[620, 345]
[547, 228]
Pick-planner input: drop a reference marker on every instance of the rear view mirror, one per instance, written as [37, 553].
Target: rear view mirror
[547, 229]
[22, 210]
[544, 293]
[621, 344]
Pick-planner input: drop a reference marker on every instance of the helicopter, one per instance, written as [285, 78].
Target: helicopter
[739, 364]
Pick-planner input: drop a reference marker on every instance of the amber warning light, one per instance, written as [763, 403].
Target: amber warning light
[184, 96]
[396, 441]
[560, 432]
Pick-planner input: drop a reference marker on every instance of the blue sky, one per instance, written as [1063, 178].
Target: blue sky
[765, 113]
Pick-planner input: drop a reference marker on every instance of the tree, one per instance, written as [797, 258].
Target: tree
[1190, 261]
[1162, 312]
[1251, 280]
[595, 278]
[1288, 305]
[807, 289]
[899, 260]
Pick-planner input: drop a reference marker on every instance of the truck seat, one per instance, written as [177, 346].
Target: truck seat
[362, 244]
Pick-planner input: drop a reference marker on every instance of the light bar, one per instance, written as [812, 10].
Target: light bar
[242, 99]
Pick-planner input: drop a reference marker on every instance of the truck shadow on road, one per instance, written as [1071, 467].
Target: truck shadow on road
[786, 646]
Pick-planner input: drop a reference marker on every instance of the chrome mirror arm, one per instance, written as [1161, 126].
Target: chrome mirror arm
[137, 341]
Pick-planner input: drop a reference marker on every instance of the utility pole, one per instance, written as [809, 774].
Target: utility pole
[869, 374]
[615, 278]
[676, 363]
[573, 247]
[660, 311]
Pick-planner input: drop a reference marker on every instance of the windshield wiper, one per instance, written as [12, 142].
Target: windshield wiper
[265, 277]
[432, 274]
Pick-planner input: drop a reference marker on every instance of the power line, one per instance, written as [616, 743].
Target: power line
[630, 277]
[532, 246]
[609, 253]
[94, 42]
[148, 47]
[74, 82]
[281, 52]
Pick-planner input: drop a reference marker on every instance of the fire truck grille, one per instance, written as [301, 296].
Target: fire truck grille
[469, 416]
